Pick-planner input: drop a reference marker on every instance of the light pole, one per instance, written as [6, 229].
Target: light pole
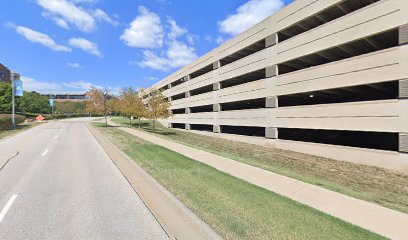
[17, 91]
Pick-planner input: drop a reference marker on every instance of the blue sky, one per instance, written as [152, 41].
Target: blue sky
[68, 45]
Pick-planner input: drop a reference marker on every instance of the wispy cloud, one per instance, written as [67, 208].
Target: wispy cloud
[68, 12]
[45, 87]
[248, 15]
[74, 65]
[102, 16]
[85, 45]
[40, 38]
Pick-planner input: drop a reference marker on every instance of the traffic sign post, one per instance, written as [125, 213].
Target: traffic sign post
[52, 105]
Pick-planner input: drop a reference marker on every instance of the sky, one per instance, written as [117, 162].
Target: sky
[66, 46]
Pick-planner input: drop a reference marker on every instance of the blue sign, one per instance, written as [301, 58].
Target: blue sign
[51, 102]
[18, 88]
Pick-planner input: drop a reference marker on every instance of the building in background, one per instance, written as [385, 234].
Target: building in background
[5, 74]
[327, 78]
[66, 97]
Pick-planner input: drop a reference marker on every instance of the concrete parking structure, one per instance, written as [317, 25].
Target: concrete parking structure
[327, 78]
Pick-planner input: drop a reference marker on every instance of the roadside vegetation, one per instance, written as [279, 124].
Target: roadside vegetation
[234, 208]
[381, 186]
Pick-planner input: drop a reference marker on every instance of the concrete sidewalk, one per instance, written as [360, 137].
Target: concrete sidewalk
[381, 220]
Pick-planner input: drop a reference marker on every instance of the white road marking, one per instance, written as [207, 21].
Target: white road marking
[45, 152]
[7, 207]
[55, 137]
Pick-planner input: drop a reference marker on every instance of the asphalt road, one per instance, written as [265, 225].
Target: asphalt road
[62, 185]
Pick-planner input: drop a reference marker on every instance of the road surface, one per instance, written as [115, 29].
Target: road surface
[62, 185]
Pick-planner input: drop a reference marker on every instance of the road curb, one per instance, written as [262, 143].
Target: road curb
[176, 219]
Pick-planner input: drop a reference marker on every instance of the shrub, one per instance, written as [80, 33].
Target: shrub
[6, 122]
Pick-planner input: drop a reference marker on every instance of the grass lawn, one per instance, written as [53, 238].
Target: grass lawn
[20, 128]
[234, 208]
[377, 185]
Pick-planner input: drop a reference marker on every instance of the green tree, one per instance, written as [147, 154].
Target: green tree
[33, 102]
[69, 107]
[5, 97]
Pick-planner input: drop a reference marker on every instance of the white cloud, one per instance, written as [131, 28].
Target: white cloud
[74, 65]
[84, 1]
[177, 55]
[192, 38]
[175, 30]
[85, 45]
[41, 38]
[145, 31]
[248, 15]
[102, 16]
[220, 40]
[70, 13]
[45, 87]
[78, 85]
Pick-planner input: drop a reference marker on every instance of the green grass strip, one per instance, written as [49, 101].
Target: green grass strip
[234, 208]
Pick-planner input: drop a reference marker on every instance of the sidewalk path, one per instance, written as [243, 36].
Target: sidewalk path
[381, 220]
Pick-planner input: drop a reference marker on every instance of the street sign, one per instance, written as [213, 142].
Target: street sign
[18, 88]
[51, 102]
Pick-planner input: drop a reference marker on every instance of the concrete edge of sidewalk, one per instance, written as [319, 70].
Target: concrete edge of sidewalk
[176, 219]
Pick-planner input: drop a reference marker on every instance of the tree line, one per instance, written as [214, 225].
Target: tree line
[34, 102]
[129, 103]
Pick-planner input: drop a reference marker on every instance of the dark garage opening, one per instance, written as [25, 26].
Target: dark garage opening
[243, 130]
[200, 109]
[179, 111]
[246, 78]
[256, 47]
[202, 71]
[368, 92]
[201, 90]
[202, 127]
[246, 104]
[329, 14]
[178, 125]
[359, 47]
[370, 140]
[178, 96]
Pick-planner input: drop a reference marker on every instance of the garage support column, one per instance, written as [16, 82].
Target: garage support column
[403, 34]
[270, 40]
[216, 86]
[271, 133]
[187, 94]
[216, 129]
[403, 142]
[188, 127]
[216, 65]
[271, 71]
[271, 102]
[216, 107]
[403, 89]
